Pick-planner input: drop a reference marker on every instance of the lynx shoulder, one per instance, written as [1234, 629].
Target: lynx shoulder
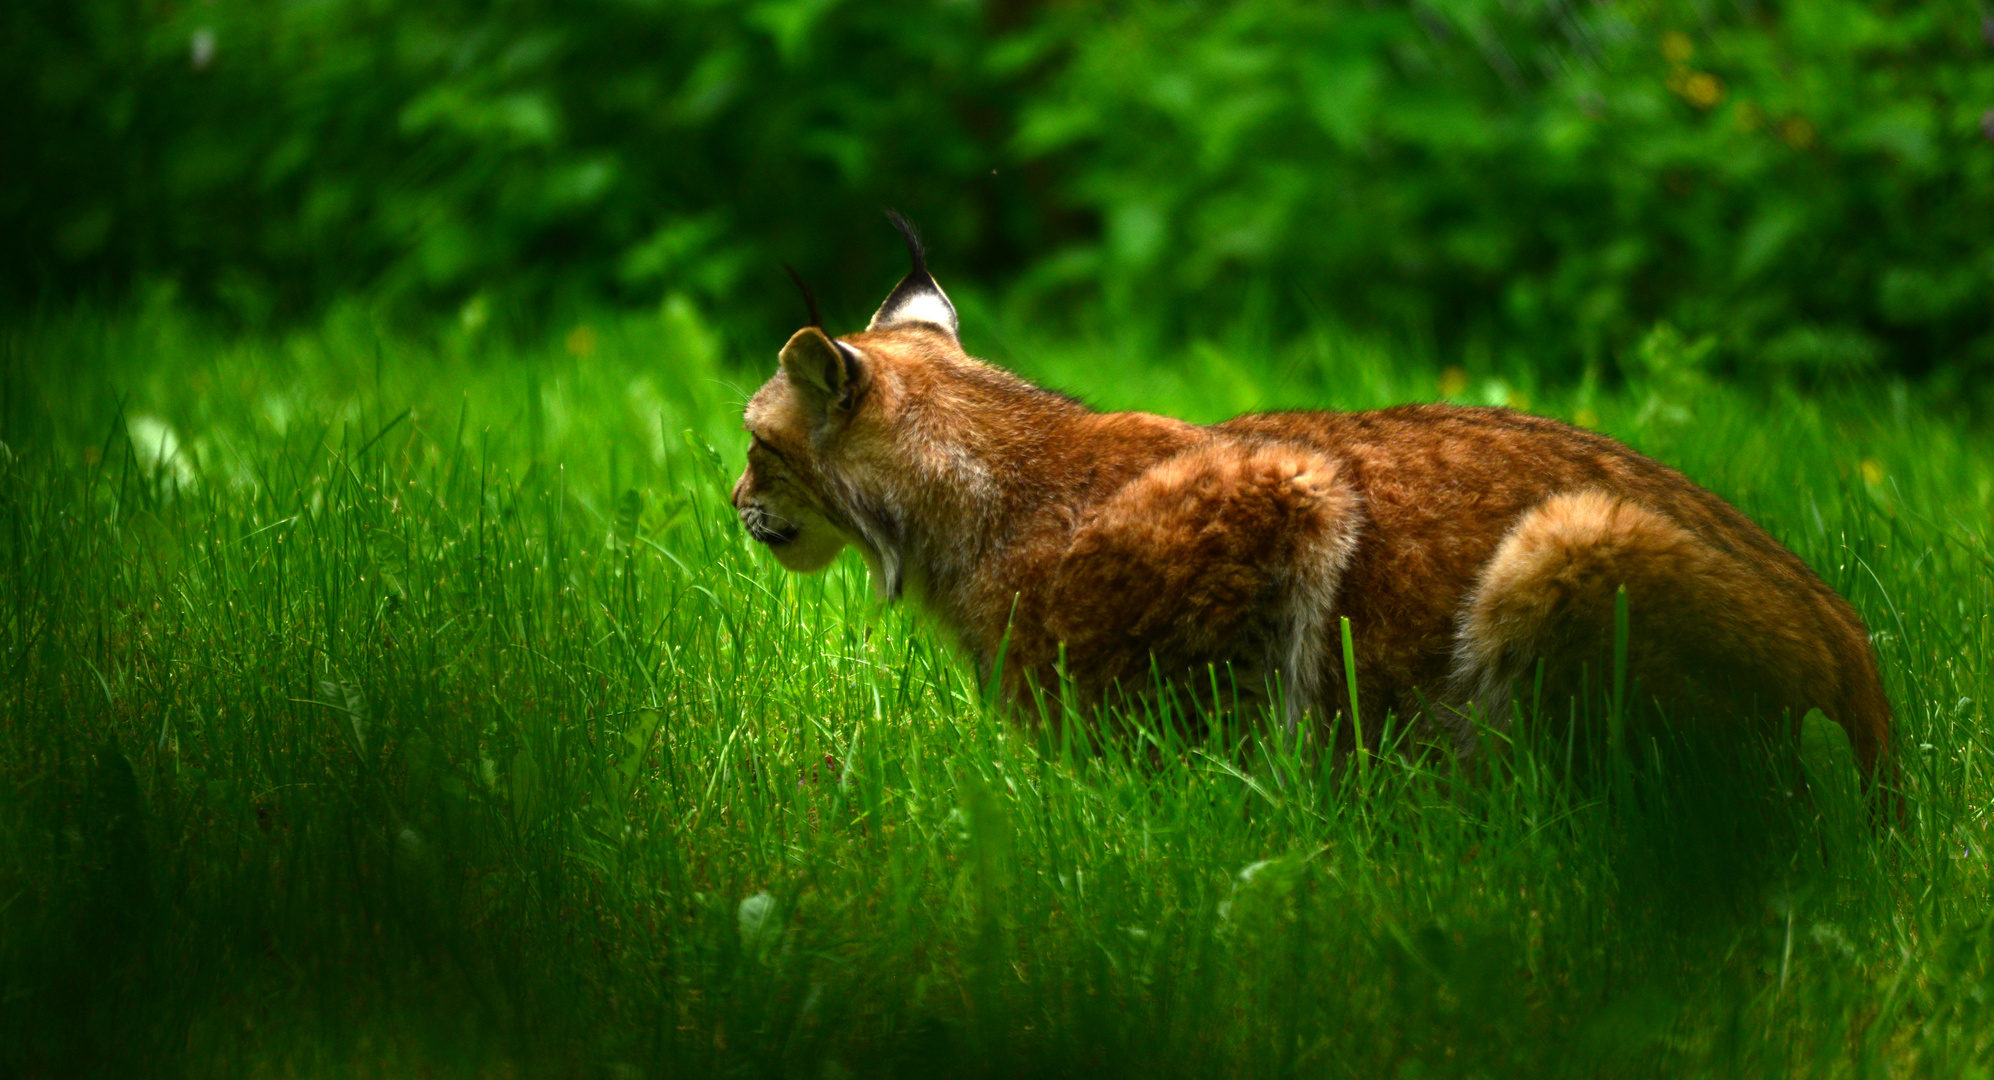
[1469, 548]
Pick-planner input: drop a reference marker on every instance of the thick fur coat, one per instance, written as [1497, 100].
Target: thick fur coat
[1470, 548]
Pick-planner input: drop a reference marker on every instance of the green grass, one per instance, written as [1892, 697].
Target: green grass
[428, 712]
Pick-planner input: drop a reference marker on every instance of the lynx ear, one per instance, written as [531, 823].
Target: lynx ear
[827, 370]
[917, 299]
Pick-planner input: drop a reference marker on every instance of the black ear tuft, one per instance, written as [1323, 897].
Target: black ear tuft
[809, 298]
[917, 299]
[916, 252]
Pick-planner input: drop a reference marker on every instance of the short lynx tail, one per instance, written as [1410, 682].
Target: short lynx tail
[1706, 625]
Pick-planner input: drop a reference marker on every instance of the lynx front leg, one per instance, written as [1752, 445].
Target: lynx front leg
[1228, 554]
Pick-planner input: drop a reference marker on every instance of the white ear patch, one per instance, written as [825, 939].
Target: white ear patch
[917, 299]
[926, 305]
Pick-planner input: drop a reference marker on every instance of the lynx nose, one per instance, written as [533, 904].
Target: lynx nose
[766, 527]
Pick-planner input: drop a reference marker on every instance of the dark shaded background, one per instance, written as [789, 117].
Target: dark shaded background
[1809, 185]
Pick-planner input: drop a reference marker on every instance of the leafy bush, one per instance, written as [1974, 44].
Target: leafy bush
[272, 156]
[1811, 183]
[1807, 185]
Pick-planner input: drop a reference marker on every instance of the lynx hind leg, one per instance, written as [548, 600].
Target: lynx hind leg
[1548, 594]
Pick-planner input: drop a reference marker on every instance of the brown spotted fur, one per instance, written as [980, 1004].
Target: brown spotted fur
[1464, 544]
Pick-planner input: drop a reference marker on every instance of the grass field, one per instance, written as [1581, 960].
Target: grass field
[375, 707]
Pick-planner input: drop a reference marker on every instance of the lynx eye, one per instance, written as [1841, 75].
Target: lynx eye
[757, 443]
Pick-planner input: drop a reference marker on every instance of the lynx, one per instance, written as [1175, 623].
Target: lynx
[1473, 550]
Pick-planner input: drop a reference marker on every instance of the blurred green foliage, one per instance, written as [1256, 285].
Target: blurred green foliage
[275, 156]
[1805, 185]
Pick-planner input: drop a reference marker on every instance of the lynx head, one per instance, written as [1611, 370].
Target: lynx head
[825, 451]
